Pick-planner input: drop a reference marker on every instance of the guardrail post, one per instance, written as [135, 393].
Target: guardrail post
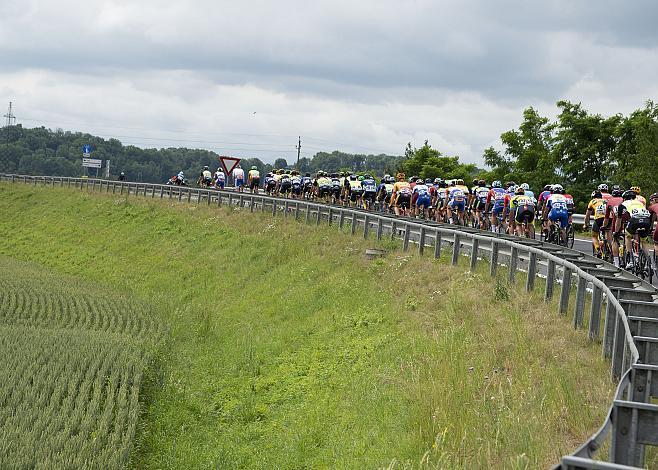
[161, 191]
[120, 190]
[285, 209]
[189, 196]
[474, 253]
[532, 272]
[394, 225]
[296, 210]
[608, 328]
[209, 196]
[437, 244]
[274, 207]
[550, 280]
[251, 204]
[618, 347]
[421, 240]
[407, 233]
[353, 228]
[180, 194]
[52, 182]
[331, 216]
[219, 199]
[595, 313]
[308, 213]
[366, 227]
[580, 303]
[566, 290]
[380, 228]
[513, 262]
[12, 178]
[493, 262]
[68, 183]
[341, 218]
[455, 249]
[318, 215]
[230, 199]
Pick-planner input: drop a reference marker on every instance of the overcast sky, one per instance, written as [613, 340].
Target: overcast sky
[247, 77]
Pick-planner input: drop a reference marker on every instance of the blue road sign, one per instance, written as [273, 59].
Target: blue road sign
[86, 148]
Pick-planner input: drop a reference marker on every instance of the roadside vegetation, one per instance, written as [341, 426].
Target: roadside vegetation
[286, 348]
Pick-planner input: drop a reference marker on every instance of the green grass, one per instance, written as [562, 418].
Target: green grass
[288, 349]
[74, 358]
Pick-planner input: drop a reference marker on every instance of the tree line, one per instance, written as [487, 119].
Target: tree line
[579, 150]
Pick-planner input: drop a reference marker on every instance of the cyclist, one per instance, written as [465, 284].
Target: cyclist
[356, 191]
[369, 186]
[480, 201]
[336, 188]
[238, 178]
[220, 178]
[556, 210]
[296, 184]
[423, 200]
[307, 186]
[269, 183]
[323, 186]
[636, 218]
[456, 202]
[597, 208]
[401, 198]
[638, 196]
[496, 204]
[653, 210]
[205, 179]
[253, 178]
[522, 210]
[604, 191]
[610, 221]
[285, 184]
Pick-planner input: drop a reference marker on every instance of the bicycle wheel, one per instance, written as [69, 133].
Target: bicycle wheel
[571, 236]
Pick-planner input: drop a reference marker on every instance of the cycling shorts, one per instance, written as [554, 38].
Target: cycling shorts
[324, 191]
[480, 205]
[219, 184]
[597, 224]
[559, 215]
[369, 196]
[296, 188]
[639, 225]
[524, 214]
[498, 209]
[255, 182]
[285, 188]
[456, 205]
[239, 183]
[403, 201]
[424, 201]
[354, 195]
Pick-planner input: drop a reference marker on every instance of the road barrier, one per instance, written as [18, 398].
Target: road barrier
[629, 333]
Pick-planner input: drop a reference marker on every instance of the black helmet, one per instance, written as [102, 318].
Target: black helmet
[628, 195]
[616, 191]
[596, 194]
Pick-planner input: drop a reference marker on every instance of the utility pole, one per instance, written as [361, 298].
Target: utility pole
[299, 148]
[10, 116]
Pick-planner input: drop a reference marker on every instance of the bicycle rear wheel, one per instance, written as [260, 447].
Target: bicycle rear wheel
[570, 233]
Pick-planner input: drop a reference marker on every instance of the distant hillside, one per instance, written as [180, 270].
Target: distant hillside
[41, 151]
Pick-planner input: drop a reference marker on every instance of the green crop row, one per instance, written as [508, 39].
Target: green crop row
[74, 357]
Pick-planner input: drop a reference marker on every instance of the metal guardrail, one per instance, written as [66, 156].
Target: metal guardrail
[630, 317]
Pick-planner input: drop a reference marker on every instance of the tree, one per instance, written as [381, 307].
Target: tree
[280, 163]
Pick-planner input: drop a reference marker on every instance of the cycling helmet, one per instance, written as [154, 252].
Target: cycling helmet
[361, 178]
[509, 184]
[616, 192]
[548, 187]
[205, 167]
[482, 183]
[636, 190]
[525, 186]
[428, 180]
[419, 181]
[386, 176]
[269, 175]
[512, 189]
[308, 174]
[497, 184]
[401, 176]
[459, 181]
[519, 190]
[596, 194]
[254, 167]
[603, 188]
[475, 182]
[629, 195]
[391, 180]
[443, 184]
[352, 177]
[367, 176]
[653, 196]
[557, 189]
[437, 180]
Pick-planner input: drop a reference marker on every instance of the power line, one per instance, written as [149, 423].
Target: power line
[10, 116]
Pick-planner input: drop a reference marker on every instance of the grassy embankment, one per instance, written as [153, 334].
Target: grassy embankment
[288, 349]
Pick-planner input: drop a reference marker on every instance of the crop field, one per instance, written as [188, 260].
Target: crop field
[73, 360]
[284, 346]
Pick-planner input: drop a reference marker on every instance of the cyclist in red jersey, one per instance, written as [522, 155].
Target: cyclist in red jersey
[653, 210]
[610, 221]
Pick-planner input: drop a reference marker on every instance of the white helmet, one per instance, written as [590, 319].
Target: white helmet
[557, 188]
[525, 186]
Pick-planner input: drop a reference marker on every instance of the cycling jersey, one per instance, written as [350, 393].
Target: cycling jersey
[296, 182]
[598, 207]
[369, 185]
[323, 182]
[457, 198]
[254, 174]
[355, 186]
[522, 208]
[521, 200]
[423, 199]
[637, 217]
[558, 209]
[207, 175]
[499, 199]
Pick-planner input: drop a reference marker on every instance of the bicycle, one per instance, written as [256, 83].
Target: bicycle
[604, 245]
[642, 267]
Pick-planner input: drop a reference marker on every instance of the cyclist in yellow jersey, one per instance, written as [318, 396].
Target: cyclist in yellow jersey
[522, 210]
[638, 196]
[253, 179]
[596, 208]
[401, 198]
